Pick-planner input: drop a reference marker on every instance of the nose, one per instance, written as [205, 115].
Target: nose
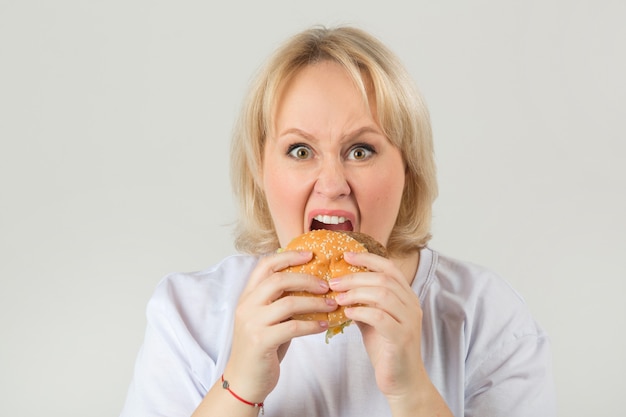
[331, 180]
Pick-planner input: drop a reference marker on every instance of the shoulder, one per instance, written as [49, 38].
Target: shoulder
[224, 279]
[195, 296]
[484, 306]
[490, 333]
[456, 283]
[189, 327]
[469, 279]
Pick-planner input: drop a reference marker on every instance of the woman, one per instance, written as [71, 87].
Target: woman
[333, 135]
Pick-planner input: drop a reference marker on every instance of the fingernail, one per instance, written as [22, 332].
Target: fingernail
[331, 301]
[323, 284]
[334, 281]
[323, 324]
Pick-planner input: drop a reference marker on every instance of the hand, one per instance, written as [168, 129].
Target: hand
[390, 320]
[263, 328]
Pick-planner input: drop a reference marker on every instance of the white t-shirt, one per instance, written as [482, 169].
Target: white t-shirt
[482, 349]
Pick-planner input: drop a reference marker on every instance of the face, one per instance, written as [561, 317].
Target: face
[327, 163]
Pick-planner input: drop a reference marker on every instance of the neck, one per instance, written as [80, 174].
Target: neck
[408, 265]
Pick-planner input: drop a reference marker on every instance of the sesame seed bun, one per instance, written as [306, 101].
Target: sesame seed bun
[327, 262]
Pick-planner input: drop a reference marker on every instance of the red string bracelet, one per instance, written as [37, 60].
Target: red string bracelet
[226, 386]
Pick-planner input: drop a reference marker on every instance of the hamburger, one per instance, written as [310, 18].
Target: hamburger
[327, 262]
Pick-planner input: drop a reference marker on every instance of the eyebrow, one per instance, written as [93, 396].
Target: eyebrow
[348, 136]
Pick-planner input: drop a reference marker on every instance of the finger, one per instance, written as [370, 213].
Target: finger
[375, 318]
[297, 282]
[374, 280]
[258, 306]
[386, 326]
[287, 307]
[379, 298]
[271, 264]
[375, 263]
[279, 283]
[285, 331]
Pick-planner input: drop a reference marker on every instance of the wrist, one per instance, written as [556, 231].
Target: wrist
[250, 384]
[424, 401]
[257, 405]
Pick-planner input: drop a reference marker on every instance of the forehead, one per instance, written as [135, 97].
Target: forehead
[310, 80]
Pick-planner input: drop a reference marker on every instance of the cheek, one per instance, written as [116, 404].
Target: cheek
[380, 202]
[277, 190]
[386, 193]
[285, 200]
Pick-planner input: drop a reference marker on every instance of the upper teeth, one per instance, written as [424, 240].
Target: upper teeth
[330, 219]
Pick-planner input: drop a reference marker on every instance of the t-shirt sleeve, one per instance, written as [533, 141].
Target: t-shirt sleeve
[513, 380]
[509, 366]
[187, 341]
[165, 381]
[485, 352]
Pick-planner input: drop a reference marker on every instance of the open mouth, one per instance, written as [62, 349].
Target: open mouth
[336, 223]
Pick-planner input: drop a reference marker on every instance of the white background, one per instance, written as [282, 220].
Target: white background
[115, 119]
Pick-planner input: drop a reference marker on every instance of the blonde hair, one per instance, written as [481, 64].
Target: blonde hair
[402, 115]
